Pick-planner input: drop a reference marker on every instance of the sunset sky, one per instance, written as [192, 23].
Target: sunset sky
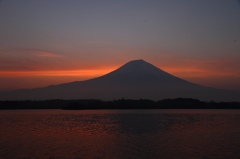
[48, 42]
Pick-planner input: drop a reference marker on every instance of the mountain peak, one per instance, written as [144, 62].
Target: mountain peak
[138, 66]
[139, 70]
[134, 80]
[137, 61]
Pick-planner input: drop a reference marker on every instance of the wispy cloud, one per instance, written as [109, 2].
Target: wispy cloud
[27, 52]
[185, 66]
[82, 72]
[41, 53]
[20, 59]
[204, 67]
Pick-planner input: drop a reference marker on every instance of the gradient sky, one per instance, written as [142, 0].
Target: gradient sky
[47, 42]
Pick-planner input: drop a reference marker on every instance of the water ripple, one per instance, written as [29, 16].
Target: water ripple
[119, 135]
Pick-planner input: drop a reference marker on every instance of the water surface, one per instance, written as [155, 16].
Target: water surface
[119, 134]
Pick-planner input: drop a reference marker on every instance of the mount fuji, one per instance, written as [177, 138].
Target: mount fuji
[135, 80]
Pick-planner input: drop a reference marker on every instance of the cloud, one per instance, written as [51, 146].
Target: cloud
[17, 62]
[19, 59]
[100, 58]
[188, 66]
[8, 51]
[41, 53]
[86, 63]
[80, 72]
[204, 67]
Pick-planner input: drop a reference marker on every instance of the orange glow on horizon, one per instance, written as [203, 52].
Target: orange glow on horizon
[90, 72]
[198, 72]
[177, 71]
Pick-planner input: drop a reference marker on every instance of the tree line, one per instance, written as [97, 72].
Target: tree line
[81, 104]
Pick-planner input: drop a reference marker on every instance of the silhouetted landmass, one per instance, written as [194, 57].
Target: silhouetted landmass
[136, 79]
[81, 104]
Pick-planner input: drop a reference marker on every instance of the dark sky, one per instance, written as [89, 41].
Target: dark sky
[50, 42]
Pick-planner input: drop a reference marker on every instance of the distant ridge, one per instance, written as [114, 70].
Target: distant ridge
[136, 79]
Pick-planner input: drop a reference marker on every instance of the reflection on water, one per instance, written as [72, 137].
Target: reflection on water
[120, 134]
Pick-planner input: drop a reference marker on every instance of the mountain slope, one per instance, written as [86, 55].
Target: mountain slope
[134, 80]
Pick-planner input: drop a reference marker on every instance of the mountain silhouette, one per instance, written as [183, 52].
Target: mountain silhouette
[135, 80]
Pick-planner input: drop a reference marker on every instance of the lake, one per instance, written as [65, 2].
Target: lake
[119, 134]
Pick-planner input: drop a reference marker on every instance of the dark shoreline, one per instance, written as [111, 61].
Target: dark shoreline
[83, 104]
